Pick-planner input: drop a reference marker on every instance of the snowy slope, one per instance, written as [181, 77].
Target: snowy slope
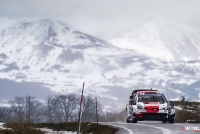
[62, 58]
[33, 50]
[162, 39]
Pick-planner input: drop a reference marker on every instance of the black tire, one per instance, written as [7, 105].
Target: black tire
[171, 121]
[134, 121]
[128, 121]
[164, 121]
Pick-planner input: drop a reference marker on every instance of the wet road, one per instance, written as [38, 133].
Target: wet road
[147, 127]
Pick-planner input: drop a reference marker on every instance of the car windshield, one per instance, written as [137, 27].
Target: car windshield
[151, 98]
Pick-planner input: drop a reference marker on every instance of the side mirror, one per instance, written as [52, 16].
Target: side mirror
[131, 102]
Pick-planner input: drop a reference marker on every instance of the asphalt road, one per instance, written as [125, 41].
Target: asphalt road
[156, 127]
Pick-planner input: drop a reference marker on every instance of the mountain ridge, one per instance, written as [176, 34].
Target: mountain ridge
[62, 58]
[162, 39]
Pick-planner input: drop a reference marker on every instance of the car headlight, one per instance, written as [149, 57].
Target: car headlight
[140, 107]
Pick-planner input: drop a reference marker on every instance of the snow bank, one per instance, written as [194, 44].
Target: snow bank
[50, 131]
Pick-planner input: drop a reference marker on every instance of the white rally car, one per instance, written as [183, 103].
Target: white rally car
[148, 104]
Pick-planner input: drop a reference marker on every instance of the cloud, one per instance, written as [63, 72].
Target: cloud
[103, 18]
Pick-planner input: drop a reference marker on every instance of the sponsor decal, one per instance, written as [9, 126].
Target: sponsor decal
[151, 105]
[172, 111]
[143, 94]
[165, 111]
[190, 128]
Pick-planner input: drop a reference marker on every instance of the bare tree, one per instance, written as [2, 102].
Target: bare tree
[2, 113]
[89, 109]
[109, 115]
[183, 98]
[18, 105]
[50, 109]
[21, 106]
[66, 106]
[36, 109]
[56, 109]
[6, 114]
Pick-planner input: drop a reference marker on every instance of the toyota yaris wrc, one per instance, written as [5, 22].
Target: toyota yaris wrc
[150, 104]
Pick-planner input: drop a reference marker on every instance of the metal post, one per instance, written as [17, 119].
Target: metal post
[96, 111]
[79, 115]
[29, 110]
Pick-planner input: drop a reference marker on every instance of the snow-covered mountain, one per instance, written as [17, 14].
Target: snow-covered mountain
[162, 39]
[61, 58]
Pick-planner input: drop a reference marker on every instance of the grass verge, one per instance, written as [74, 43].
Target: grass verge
[86, 128]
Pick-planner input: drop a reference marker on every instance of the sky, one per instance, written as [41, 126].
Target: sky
[101, 18]
[104, 18]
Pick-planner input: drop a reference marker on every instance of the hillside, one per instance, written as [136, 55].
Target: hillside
[162, 39]
[187, 111]
[56, 56]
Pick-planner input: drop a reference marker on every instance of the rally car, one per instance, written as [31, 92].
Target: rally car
[148, 104]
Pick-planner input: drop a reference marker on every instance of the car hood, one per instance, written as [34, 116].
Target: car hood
[149, 105]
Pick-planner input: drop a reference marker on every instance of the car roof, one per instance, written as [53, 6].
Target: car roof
[135, 91]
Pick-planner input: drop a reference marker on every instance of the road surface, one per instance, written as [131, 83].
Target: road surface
[156, 127]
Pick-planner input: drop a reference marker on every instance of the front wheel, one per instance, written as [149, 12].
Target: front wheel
[134, 121]
[128, 121]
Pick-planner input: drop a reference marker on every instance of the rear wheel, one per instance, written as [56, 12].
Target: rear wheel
[164, 121]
